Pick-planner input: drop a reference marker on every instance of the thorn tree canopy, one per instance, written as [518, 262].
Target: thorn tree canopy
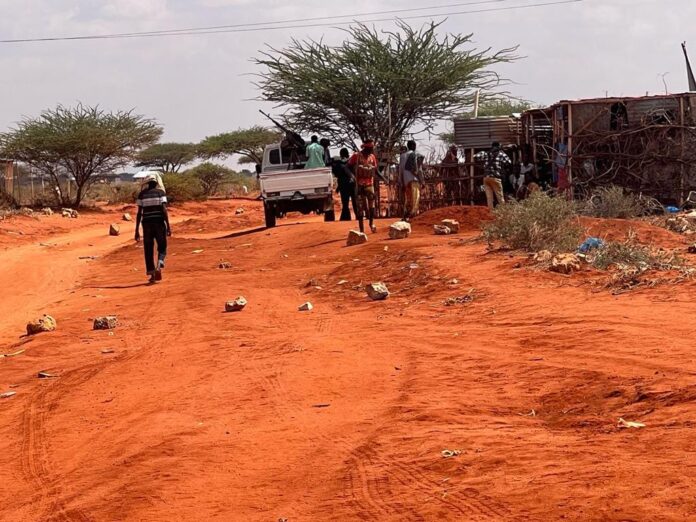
[248, 143]
[81, 143]
[377, 85]
[167, 157]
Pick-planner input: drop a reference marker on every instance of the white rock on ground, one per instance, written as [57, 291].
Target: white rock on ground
[565, 264]
[43, 324]
[356, 238]
[452, 224]
[377, 291]
[441, 230]
[47, 211]
[237, 305]
[114, 230]
[307, 307]
[127, 217]
[399, 230]
[108, 322]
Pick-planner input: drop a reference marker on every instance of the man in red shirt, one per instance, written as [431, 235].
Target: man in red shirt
[364, 166]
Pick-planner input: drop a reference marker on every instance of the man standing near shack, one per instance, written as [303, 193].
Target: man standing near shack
[315, 155]
[364, 166]
[152, 214]
[495, 162]
[346, 184]
[410, 179]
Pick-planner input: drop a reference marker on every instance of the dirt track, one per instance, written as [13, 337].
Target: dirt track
[341, 413]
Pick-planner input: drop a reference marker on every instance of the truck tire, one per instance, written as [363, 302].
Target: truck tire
[269, 213]
[329, 215]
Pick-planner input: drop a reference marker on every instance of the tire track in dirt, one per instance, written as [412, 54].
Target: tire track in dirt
[35, 460]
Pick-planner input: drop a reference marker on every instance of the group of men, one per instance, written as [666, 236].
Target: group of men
[356, 174]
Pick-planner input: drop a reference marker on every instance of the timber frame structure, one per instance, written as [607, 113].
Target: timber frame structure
[645, 144]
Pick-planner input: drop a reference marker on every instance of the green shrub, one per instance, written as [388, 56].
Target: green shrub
[614, 202]
[183, 187]
[540, 222]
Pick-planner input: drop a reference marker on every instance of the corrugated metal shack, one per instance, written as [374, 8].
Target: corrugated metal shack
[646, 144]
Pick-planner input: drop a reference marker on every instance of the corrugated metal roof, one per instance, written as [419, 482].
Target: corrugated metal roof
[479, 133]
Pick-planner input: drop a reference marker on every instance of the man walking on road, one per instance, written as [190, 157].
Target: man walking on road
[495, 162]
[152, 213]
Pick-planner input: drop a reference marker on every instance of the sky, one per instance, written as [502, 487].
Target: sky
[197, 86]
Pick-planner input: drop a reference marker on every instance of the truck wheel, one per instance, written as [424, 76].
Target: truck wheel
[269, 213]
[329, 215]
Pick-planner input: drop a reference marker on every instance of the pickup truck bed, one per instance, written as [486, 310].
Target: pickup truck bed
[309, 183]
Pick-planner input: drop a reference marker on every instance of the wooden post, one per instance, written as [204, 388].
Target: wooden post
[472, 182]
[569, 162]
[682, 181]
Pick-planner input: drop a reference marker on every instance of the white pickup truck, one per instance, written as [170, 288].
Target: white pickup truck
[286, 186]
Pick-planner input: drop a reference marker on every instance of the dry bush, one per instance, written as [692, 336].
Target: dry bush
[631, 254]
[540, 222]
[634, 261]
[615, 202]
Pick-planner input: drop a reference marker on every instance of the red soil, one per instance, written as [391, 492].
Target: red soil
[341, 413]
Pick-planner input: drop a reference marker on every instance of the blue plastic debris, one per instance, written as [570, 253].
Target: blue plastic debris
[672, 210]
[591, 243]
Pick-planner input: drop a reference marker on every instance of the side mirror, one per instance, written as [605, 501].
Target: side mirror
[258, 169]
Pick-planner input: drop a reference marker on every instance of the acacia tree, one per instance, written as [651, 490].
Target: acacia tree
[248, 143]
[211, 176]
[377, 85]
[81, 142]
[167, 157]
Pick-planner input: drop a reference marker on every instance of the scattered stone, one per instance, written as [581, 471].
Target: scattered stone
[239, 211]
[225, 265]
[114, 230]
[107, 351]
[7, 395]
[692, 249]
[464, 299]
[43, 324]
[46, 375]
[237, 305]
[565, 264]
[399, 230]
[453, 282]
[108, 322]
[448, 454]
[452, 224]
[377, 291]
[47, 211]
[441, 230]
[356, 238]
[543, 256]
[630, 424]
[70, 213]
[312, 283]
[678, 224]
[307, 307]
[342, 282]
[26, 211]
[127, 217]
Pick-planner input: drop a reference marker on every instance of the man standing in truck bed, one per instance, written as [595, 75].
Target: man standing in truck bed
[364, 165]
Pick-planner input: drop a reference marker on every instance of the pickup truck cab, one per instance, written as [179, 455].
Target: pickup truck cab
[286, 186]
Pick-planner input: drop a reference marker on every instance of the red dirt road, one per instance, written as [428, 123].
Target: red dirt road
[341, 413]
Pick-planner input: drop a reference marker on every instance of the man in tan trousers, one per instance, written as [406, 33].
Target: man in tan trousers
[495, 161]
